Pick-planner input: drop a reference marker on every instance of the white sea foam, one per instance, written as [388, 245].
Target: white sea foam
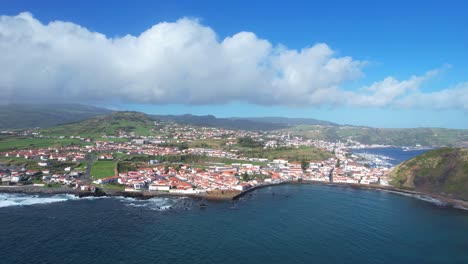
[159, 204]
[460, 207]
[431, 200]
[421, 197]
[7, 200]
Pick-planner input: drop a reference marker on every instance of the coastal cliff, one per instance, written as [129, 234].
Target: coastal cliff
[441, 171]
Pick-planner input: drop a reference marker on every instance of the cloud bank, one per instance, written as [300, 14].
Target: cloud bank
[185, 62]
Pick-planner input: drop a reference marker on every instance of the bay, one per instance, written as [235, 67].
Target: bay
[279, 224]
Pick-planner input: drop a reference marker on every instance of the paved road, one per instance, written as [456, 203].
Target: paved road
[90, 159]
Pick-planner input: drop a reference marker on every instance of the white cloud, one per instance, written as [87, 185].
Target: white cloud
[185, 62]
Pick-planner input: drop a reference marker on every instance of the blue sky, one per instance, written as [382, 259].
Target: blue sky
[395, 39]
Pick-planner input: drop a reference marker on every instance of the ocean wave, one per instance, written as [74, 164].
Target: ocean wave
[431, 200]
[7, 200]
[159, 204]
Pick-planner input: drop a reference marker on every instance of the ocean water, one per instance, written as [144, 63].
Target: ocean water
[280, 224]
[396, 155]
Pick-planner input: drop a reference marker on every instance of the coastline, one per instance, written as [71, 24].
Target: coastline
[230, 195]
[30, 189]
[429, 197]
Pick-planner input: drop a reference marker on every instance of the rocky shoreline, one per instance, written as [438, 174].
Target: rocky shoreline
[227, 196]
[30, 189]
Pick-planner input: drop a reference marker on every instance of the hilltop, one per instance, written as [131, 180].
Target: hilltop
[227, 123]
[441, 171]
[17, 116]
[139, 123]
[286, 121]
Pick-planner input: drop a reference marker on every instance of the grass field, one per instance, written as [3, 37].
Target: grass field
[112, 124]
[82, 166]
[15, 143]
[103, 169]
[208, 160]
[112, 187]
[30, 164]
[208, 143]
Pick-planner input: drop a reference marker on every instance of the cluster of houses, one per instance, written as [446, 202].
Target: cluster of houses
[15, 174]
[72, 153]
[185, 179]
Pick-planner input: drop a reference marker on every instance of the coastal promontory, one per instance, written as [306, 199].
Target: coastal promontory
[441, 171]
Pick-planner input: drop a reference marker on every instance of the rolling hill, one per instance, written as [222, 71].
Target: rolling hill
[289, 122]
[437, 137]
[244, 123]
[18, 116]
[227, 123]
[112, 124]
[441, 171]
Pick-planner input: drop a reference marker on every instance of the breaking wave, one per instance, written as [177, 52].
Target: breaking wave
[157, 204]
[160, 204]
[7, 200]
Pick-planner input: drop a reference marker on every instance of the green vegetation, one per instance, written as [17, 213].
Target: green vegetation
[82, 166]
[248, 142]
[16, 143]
[126, 166]
[13, 161]
[131, 161]
[127, 122]
[247, 177]
[208, 143]
[37, 181]
[113, 187]
[103, 169]
[386, 136]
[53, 185]
[289, 153]
[113, 139]
[441, 171]
[53, 165]
[304, 165]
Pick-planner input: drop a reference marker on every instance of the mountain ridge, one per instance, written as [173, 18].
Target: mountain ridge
[21, 116]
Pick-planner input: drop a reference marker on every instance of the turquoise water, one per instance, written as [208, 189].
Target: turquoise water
[281, 224]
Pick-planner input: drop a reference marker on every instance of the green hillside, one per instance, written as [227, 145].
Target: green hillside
[17, 116]
[387, 136]
[138, 123]
[440, 171]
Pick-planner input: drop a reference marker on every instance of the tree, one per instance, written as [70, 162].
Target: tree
[304, 164]
[248, 142]
[245, 176]
[183, 146]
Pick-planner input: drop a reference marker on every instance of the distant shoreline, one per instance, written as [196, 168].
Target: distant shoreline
[29, 189]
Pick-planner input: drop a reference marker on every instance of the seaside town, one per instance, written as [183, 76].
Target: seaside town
[167, 163]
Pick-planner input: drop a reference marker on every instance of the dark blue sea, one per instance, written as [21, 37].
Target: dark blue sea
[280, 224]
[396, 155]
